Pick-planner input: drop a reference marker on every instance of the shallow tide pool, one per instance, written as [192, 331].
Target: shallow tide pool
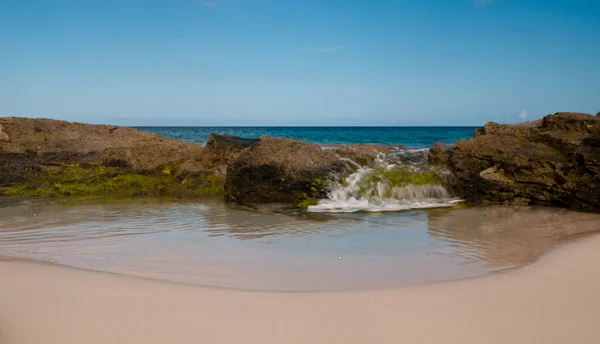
[209, 243]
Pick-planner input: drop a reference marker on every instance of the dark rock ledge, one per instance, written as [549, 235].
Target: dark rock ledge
[554, 161]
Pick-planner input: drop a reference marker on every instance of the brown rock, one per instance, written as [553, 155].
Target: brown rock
[3, 136]
[51, 141]
[38, 144]
[554, 161]
[276, 170]
[220, 150]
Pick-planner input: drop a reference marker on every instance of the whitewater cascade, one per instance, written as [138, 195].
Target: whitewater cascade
[376, 189]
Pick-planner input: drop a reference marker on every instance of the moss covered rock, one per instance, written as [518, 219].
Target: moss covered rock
[45, 157]
[106, 181]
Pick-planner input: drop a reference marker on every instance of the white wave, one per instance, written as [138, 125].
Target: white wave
[354, 205]
[361, 192]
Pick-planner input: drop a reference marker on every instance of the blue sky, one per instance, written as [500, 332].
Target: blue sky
[298, 62]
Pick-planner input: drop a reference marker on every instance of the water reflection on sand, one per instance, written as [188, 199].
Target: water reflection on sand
[209, 243]
[508, 236]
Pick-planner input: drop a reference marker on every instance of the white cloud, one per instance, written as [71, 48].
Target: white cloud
[523, 114]
[332, 49]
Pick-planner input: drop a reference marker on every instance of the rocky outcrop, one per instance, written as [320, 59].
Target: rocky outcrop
[50, 157]
[3, 136]
[554, 161]
[56, 158]
[50, 141]
[276, 170]
[220, 150]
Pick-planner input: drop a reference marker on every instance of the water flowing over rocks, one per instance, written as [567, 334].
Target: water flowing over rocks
[554, 161]
[385, 186]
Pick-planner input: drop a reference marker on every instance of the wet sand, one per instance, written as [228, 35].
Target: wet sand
[554, 300]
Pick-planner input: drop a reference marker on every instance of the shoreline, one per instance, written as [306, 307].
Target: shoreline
[553, 300]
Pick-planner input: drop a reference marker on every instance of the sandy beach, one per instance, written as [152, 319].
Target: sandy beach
[554, 300]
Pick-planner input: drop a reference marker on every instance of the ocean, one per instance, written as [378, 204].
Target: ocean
[417, 137]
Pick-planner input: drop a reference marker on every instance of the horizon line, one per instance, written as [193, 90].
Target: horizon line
[303, 126]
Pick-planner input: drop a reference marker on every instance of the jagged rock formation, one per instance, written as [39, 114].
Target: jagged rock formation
[554, 161]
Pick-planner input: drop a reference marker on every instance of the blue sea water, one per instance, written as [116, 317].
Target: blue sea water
[420, 137]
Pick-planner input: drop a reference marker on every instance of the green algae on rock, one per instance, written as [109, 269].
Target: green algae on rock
[402, 176]
[308, 202]
[44, 157]
[317, 186]
[385, 182]
[100, 180]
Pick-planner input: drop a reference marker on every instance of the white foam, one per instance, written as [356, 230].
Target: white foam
[354, 205]
[359, 192]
